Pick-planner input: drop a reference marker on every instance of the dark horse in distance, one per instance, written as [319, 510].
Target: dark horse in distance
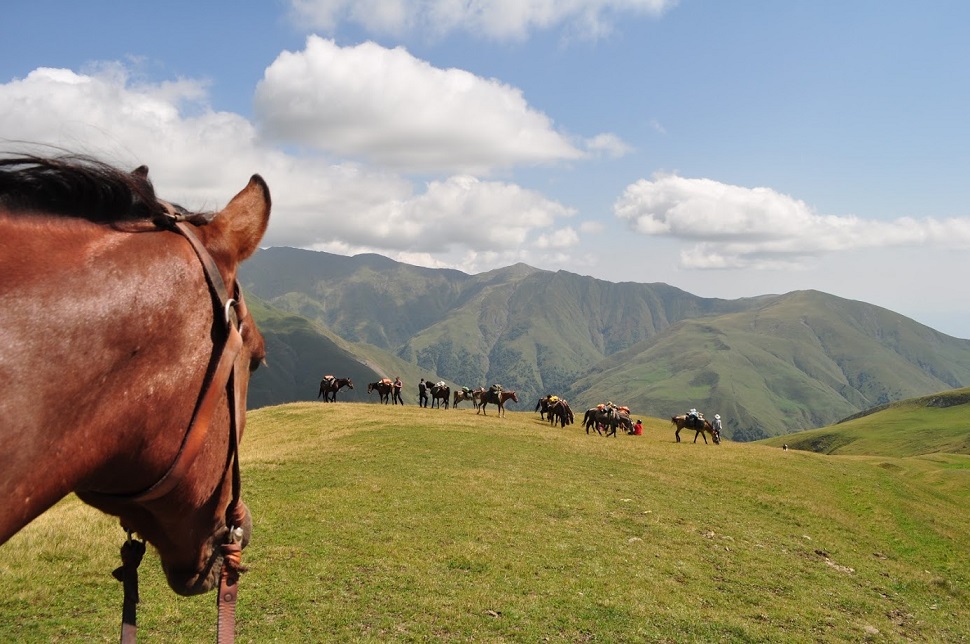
[543, 405]
[329, 387]
[383, 389]
[138, 302]
[700, 426]
[559, 411]
[439, 393]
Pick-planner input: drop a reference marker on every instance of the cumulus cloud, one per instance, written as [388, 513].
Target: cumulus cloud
[386, 106]
[499, 20]
[609, 145]
[200, 157]
[738, 227]
[559, 238]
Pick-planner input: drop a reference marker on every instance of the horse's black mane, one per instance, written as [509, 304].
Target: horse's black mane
[78, 186]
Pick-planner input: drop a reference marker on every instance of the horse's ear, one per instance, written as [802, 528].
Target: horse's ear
[141, 172]
[245, 219]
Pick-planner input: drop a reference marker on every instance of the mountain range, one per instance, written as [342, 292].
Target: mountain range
[769, 365]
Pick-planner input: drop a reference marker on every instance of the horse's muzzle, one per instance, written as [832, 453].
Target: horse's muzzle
[195, 582]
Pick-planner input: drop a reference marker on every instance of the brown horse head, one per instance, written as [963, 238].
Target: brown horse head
[119, 343]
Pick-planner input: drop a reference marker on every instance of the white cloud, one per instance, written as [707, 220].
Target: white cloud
[496, 19]
[386, 106]
[200, 158]
[737, 227]
[558, 238]
[609, 144]
[452, 214]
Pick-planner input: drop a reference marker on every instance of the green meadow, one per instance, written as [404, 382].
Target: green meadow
[377, 523]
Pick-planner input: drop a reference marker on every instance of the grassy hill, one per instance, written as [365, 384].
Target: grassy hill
[427, 525]
[936, 424]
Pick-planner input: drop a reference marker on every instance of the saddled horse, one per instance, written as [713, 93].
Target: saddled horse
[439, 393]
[472, 395]
[126, 348]
[560, 411]
[383, 389]
[543, 405]
[701, 427]
[605, 421]
[497, 398]
[329, 387]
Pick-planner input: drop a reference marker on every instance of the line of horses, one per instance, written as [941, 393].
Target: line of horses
[440, 394]
[604, 420]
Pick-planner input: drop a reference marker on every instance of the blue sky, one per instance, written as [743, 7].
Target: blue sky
[730, 149]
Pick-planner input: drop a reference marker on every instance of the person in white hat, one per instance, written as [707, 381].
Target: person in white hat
[717, 423]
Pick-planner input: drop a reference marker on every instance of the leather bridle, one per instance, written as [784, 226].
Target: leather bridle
[220, 379]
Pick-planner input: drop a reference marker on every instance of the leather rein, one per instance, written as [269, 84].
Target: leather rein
[220, 379]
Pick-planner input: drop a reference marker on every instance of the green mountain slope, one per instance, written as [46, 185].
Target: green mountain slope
[769, 365]
[800, 360]
[300, 352]
[935, 424]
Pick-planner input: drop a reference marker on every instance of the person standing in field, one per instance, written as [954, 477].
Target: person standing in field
[422, 393]
[396, 391]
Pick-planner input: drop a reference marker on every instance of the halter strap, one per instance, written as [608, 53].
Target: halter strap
[199, 425]
[221, 379]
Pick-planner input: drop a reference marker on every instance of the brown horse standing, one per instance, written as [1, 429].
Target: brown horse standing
[701, 427]
[497, 398]
[383, 389]
[329, 387]
[461, 395]
[126, 350]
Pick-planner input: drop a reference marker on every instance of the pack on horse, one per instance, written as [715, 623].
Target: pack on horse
[329, 387]
[497, 397]
[383, 389]
[700, 426]
[560, 411]
[466, 394]
[438, 393]
[126, 348]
